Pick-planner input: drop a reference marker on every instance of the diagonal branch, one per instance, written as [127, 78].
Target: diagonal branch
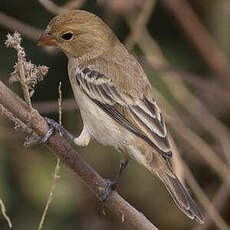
[200, 37]
[17, 25]
[55, 9]
[140, 23]
[115, 203]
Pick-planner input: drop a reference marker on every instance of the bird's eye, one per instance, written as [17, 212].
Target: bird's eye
[67, 36]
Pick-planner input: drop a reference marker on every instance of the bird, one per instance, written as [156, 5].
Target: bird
[115, 98]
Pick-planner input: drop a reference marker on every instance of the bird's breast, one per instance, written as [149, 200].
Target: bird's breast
[100, 125]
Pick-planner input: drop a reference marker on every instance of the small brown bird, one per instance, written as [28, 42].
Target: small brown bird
[115, 98]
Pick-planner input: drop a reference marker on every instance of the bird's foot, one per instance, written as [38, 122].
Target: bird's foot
[110, 186]
[55, 127]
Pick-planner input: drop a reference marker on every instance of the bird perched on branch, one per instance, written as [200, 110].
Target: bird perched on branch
[115, 98]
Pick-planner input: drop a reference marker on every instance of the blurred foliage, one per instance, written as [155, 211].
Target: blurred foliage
[26, 173]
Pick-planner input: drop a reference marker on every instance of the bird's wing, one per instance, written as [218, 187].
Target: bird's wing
[142, 118]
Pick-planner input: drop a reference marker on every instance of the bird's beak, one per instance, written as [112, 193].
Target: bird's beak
[46, 39]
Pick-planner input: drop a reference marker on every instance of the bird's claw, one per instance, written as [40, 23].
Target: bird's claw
[48, 135]
[110, 186]
[55, 127]
[53, 124]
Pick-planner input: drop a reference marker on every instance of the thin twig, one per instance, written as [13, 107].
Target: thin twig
[27, 30]
[15, 25]
[23, 81]
[200, 37]
[199, 111]
[206, 86]
[15, 42]
[218, 201]
[51, 7]
[18, 124]
[60, 105]
[6, 217]
[55, 9]
[51, 106]
[57, 168]
[24, 72]
[207, 204]
[51, 194]
[140, 23]
[74, 4]
[201, 147]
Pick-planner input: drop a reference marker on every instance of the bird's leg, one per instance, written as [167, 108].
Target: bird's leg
[82, 140]
[112, 185]
[55, 127]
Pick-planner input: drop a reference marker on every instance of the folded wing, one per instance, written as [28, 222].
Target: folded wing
[142, 117]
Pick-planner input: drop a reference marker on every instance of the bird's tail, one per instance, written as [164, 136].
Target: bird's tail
[180, 195]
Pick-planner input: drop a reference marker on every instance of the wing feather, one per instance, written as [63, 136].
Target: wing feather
[146, 122]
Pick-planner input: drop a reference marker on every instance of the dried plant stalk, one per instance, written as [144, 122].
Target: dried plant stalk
[140, 23]
[6, 217]
[55, 9]
[57, 168]
[24, 72]
[51, 193]
[210, 209]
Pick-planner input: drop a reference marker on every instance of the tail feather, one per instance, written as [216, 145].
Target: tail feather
[180, 195]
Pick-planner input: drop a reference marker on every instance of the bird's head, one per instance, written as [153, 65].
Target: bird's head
[78, 33]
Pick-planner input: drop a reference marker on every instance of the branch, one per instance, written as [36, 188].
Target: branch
[140, 23]
[200, 37]
[16, 25]
[219, 201]
[55, 9]
[3, 209]
[207, 204]
[57, 168]
[199, 82]
[52, 106]
[115, 203]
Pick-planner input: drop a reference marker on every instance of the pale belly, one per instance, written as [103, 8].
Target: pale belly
[100, 125]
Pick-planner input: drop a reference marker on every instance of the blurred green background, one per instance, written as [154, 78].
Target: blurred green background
[26, 173]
